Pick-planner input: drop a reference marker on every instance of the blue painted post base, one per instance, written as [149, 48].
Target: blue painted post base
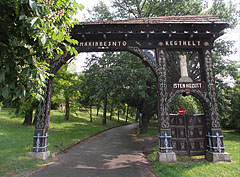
[40, 155]
[168, 157]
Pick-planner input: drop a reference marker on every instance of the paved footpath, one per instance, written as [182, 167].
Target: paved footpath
[113, 153]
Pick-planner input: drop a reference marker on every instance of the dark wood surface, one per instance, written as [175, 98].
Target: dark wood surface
[188, 134]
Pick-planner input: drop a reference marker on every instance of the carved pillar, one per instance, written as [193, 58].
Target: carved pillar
[214, 133]
[165, 150]
[40, 138]
[40, 142]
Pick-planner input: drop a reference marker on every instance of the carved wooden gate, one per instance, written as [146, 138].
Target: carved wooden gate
[178, 51]
[188, 134]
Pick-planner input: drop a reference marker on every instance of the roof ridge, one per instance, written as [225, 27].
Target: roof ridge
[165, 19]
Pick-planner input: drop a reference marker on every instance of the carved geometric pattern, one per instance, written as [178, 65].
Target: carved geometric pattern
[191, 133]
[180, 121]
[145, 55]
[41, 114]
[182, 145]
[199, 120]
[42, 110]
[201, 145]
[193, 145]
[174, 144]
[173, 120]
[211, 91]
[191, 121]
[173, 65]
[162, 80]
[188, 137]
[182, 133]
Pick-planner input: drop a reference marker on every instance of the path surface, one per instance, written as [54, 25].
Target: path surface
[113, 153]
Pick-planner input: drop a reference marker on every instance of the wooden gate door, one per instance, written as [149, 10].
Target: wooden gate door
[188, 134]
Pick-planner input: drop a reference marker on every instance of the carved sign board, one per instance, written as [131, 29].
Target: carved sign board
[184, 43]
[187, 85]
[180, 43]
[103, 44]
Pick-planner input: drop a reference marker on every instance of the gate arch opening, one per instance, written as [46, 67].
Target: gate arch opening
[188, 130]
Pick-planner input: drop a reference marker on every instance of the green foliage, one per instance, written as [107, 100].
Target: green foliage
[230, 103]
[190, 103]
[149, 8]
[100, 12]
[66, 85]
[31, 32]
[226, 11]
[122, 76]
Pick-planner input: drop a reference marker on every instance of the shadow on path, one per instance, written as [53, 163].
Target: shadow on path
[113, 153]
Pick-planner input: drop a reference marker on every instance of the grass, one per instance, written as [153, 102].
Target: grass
[197, 166]
[16, 140]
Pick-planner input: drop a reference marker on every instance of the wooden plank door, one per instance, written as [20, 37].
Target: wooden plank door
[188, 134]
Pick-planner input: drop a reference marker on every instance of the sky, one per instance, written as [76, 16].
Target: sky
[88, 4]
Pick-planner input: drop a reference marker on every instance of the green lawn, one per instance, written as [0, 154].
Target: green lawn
[16, 140]
[198, 166]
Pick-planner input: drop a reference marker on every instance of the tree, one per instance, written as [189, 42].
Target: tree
[104, 15]
[88, 90]
[66, 89]
[190, 103]
[229, 102]
[235, 103]
[119, 79]
[224, 68]
[148, 8]
[100, 75]
[31, 33]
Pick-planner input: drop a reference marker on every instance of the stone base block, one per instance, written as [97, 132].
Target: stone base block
[169, 157]
[40, 155]
[217, 157]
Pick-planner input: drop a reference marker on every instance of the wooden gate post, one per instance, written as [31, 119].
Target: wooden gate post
[40, 138]
[165, 153]
[214, 135]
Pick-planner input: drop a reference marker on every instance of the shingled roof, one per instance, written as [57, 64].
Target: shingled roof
[192, 19]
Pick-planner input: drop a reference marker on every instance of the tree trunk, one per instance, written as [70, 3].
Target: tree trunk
[98, 108]
[124, 110]
[140, 119]
[111, 113]
[104, 121]
[127, 113]
[137, 115]
[35, 117]
[90, 113]
[28, 116]
[118, 114]
[145, 116]
[66, 117]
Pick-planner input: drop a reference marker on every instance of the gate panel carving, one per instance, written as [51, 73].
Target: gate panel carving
[188, 134]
